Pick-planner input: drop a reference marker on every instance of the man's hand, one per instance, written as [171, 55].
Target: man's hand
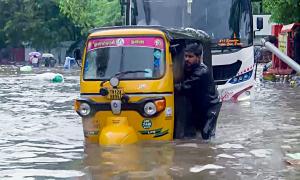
[177, 87]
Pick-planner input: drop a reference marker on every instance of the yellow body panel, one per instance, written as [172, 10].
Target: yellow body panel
[160, 124]
[117, 131]
[160, 127]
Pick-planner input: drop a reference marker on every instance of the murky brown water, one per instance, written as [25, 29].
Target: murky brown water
[41, 137]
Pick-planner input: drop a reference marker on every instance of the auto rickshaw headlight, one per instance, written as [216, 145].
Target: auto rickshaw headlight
[150, 108]
[84, 109]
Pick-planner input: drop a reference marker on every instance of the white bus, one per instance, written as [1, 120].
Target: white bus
[227, 22]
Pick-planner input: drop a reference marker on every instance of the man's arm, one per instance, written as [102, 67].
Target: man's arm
[192, 82]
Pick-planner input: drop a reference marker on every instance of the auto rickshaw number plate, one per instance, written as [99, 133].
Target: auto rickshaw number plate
[115, 94]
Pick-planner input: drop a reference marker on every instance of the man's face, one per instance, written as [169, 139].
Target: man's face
[190, 59]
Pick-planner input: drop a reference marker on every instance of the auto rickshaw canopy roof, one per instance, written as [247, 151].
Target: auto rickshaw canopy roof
[171, 33]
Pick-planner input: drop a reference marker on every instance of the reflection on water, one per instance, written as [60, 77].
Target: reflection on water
[41, 137]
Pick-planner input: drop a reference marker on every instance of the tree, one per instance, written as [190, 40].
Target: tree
[283, 11]
[257, 7]
[37, 22]
[92, 13]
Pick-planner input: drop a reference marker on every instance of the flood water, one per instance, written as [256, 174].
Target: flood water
[41, 137]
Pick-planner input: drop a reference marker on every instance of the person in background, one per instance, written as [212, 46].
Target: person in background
[69, 63]
[35, 61]
[47, 61]
[77, 56]
[199, 88]
[52, 61]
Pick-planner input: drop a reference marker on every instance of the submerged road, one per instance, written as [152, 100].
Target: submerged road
[41, 137]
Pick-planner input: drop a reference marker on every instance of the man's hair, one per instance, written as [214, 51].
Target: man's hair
[194, 48]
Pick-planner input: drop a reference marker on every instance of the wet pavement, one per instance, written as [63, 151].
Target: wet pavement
[41, 137]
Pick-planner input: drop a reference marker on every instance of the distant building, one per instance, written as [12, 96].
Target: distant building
[11, 55]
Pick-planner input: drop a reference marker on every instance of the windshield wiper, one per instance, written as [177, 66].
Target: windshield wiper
[120, 74]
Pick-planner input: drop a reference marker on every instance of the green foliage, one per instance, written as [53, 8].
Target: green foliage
[283, 11]
[36, 22]
[92, 13]
[256, 7]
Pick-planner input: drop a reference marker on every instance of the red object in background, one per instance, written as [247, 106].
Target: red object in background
[18, 54]
[276, 29]
[290, 30]
[12, 55]
[275, 60]
[278, 66]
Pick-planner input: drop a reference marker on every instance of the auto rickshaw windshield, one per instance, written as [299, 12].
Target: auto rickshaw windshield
[108, 56]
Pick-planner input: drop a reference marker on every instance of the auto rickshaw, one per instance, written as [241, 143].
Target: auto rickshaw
[127, 83]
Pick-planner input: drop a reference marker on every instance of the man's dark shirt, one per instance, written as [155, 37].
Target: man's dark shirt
[203, 103]
[199, 87]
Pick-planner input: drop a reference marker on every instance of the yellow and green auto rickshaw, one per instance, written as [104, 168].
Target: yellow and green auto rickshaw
[127, 83]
